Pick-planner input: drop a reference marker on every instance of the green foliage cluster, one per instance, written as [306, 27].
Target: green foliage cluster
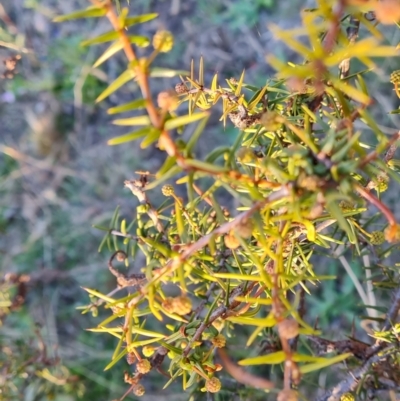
[239, 242]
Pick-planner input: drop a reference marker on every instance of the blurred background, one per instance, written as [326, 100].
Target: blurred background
[58, 177]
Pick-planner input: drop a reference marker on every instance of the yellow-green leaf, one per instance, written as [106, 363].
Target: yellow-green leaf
[259, 95]
[125, 77]
[268, 321]
[105, 37]
[350, 90]
[138, 19]
[141, 41]
[166, 72]
[184, 120]
[180, 223]
[150, 138]
[147, 333]
[115, 47]
[116, 359]
[214, 83]
[239, 85]
[337, 214]
[134, 105]
[164, 177]
[307, 358]
[206, 167]
[109, 52]
[238, 276]
[90, 12]
[289, 40]
[98, 295]
[138, 120]
[270, 359]
[141, 343]
[364, 48]
[131, 136]
[323, 364]
[311, 233]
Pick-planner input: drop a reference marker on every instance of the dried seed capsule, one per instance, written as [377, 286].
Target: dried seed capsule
[213, 385]
[131, 358]
[288, 329]
[168, 304]
[120, 256]
[138, 390]
[167, 100]
[182, 305]
[143, 366]
[181, 88]
[231, 241]
[245, 228]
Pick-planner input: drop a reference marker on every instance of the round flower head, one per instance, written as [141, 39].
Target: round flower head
[143, 366]
[213, 385]
[163, 41]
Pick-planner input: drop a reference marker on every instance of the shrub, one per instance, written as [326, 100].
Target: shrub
[235, 243]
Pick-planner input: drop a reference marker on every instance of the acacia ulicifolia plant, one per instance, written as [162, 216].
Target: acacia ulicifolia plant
[308, 166]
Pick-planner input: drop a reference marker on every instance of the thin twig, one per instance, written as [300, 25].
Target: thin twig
[174, 264]
[119, 234]
[137, 187]
[122, 279]
[352, 34]
[391, 145]
[352, 381]
[221, 311]
[334, 29]
[377, 203]
[241, 375]
[142, 78]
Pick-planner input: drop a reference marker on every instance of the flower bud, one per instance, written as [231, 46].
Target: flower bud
[167, 100]
[288, 329]
[163, 41]
[167, 190]
[377, 238]
[219, 341]
[231, 241]
[148, 350]
[271, 120]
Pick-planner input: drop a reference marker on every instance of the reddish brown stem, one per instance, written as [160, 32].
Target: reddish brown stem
[374, 155]
[377, 203]
[142, 79]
